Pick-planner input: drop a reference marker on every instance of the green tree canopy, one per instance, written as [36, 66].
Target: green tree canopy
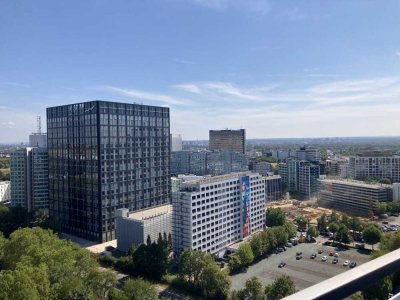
[322, 223]
[282, 287]
[301, 222]
[246, 254]
[290, 229]
[372, 235]
[49, 268]
[275, 217]
[139, 289]
[253, 290]
[312, 231]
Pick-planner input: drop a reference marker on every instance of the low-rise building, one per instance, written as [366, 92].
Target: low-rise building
[214, 212]
[133, 228]
[353, 197]
[262, 167]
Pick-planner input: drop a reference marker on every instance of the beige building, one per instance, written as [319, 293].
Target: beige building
[234, 140]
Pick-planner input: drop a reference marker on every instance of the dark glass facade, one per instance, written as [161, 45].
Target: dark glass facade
[104, 156]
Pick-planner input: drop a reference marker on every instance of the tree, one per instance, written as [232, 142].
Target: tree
[235, 263]
[246, 254]
[290, 229]
[256, 244]
[191, 264]
[214, 283]
[379, 290]
[139, 289]
[322, 224]
[334, 227]
[38, 264]
[372, 235]
[390, 241]
[282, 287]
[301, 222]
[333, 217]
[385, 181]
[280, 235]
[381, 208]
[342, 235]
[253, 290]
[275, 217]
[312, 231]
[198, 269]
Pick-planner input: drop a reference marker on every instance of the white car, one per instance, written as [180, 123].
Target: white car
[346, 263]
[336, 255]
[324, 258]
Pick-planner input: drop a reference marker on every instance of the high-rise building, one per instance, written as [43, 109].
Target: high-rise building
[312, 155]
[273, 188]
[29, 178]
[104, 156]
[176, 142]
[301, 177]
[208, 162]
[233, 140]
[213, 213]
[38, 139]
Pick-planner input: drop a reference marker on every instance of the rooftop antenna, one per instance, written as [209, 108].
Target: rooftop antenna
[39, 124]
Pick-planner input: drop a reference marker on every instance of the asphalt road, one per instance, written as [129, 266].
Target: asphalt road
[304, 272]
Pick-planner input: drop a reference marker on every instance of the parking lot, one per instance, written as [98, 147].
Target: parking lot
[304, 272]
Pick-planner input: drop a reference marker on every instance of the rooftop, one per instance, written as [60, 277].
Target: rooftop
[357, 183]
[150, 212]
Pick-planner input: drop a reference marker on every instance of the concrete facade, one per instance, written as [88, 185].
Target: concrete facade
[208, 212]
[135, 227]
[353, 197]
[375, 167]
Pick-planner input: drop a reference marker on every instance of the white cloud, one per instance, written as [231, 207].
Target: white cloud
[183, 61]
[142, 95]
[219, 89]
[16, 125]
[254, 6]
[16, 84]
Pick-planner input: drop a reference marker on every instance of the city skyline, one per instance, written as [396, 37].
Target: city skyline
[275, 68]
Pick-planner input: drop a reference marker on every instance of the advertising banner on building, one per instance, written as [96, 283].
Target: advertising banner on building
[245, 207]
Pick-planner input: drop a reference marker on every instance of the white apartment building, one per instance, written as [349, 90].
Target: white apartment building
[375, 167]
[5, 191]
[213, 213]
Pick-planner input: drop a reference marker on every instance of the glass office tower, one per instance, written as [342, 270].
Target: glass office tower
[104, 156]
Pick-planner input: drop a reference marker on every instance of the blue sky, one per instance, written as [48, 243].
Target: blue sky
[277, 68]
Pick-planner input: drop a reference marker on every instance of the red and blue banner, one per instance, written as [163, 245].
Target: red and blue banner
[245, 207]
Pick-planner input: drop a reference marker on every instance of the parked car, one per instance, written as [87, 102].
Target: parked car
[353, 264]
[331, 253]
[360, 245]
[320, 251]
[346, 263]
[336, 254]
[279, 249]
[282, 264]
[314, 255]
[289, 245]
[324, 258]
[335, 261]
[299, 257]
[299, 253]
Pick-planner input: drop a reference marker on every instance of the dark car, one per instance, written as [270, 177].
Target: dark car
[280, 249]
[282, 264]
[299, 257]
[335, 261]
[353, 264]
[299, 253]
[313, 256]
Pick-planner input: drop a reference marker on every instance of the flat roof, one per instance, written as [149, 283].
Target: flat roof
[357, 183]
[150, 212]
